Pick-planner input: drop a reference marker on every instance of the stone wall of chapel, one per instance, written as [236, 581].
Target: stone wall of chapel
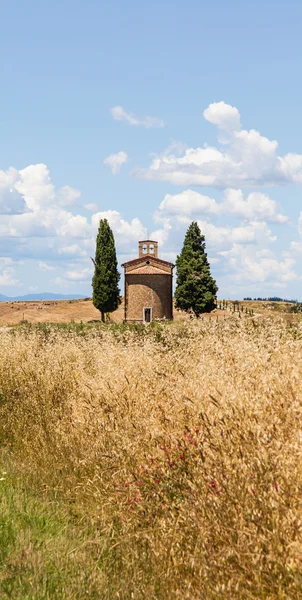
[143, 291]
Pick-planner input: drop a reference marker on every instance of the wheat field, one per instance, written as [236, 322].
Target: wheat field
[160, 462]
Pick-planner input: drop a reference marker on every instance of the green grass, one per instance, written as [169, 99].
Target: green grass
[44, 553]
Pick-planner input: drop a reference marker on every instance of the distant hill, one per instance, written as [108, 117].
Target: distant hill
[42, 296]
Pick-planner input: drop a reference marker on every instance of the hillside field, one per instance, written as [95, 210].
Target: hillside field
[66, 311]
[158, 463]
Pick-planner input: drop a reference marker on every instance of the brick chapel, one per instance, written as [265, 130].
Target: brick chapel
[148, 285]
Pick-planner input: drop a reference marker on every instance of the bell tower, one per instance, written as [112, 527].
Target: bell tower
[147, 247]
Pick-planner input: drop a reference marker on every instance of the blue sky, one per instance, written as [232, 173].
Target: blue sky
[153, 115]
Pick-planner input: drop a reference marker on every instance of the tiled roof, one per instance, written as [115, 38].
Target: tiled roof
[148, 270]
[147, 256]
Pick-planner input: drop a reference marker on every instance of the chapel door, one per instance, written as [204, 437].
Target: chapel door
[147, 315]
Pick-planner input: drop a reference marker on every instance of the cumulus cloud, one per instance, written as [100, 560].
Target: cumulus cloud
[72, 250]
[126, 233]
[116, 161]
[77, 274]
[250, 233]
[218, 237]
[64, 234]
[188, 202]
[120, 114]
[257, 206]
[7, 272]
[91, 206]
[68, 196]
[39, 212]
[223, 115]
[7, 277]
[31, 190]
[296, 246]
[245, 158]
[247, 266]
[35, 186]
[11, 201]
[41, 221]
[44, 267]
[240, 254]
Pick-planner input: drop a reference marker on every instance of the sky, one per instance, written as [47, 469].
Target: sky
[152, 115]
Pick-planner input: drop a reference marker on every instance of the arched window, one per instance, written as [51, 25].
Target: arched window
[151, 249]
[145, 249]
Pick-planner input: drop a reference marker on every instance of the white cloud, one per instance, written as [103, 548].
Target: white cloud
[257, 206]
[65, 234]
[7, 272]
[126, 233]
[246, 265]
[35, 186]
[239, 254]
[36, 223]
[224, 237]
[296, 246]
[68, 196]
[74, 226]
[246, 158]
[91, 206]
[72, 250]
[60, 282]
[79, 274]
[11, 201]
[44, 267]
[188, 202]
[223, 115]
[120, 114]
[116, 161]
[7, 277]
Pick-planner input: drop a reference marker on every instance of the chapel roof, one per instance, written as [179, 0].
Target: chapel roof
[143, 260]
[147, 270]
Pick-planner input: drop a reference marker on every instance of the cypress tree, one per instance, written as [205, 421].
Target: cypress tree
[195, 287]
[106, 293]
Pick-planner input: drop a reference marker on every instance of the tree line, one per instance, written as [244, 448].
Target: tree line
[272, 299]
[195, 287]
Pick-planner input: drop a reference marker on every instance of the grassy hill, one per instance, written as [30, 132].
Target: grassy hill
[160, 462]
[66, 311]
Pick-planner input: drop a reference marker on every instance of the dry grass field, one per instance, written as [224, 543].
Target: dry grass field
[66, 311]
[60, 311]
[151, 463]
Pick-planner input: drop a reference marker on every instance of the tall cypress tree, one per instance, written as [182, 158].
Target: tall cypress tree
[195, 287]
[106, 293]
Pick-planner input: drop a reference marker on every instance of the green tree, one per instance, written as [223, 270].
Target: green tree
[195, 287]
[106, 293]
